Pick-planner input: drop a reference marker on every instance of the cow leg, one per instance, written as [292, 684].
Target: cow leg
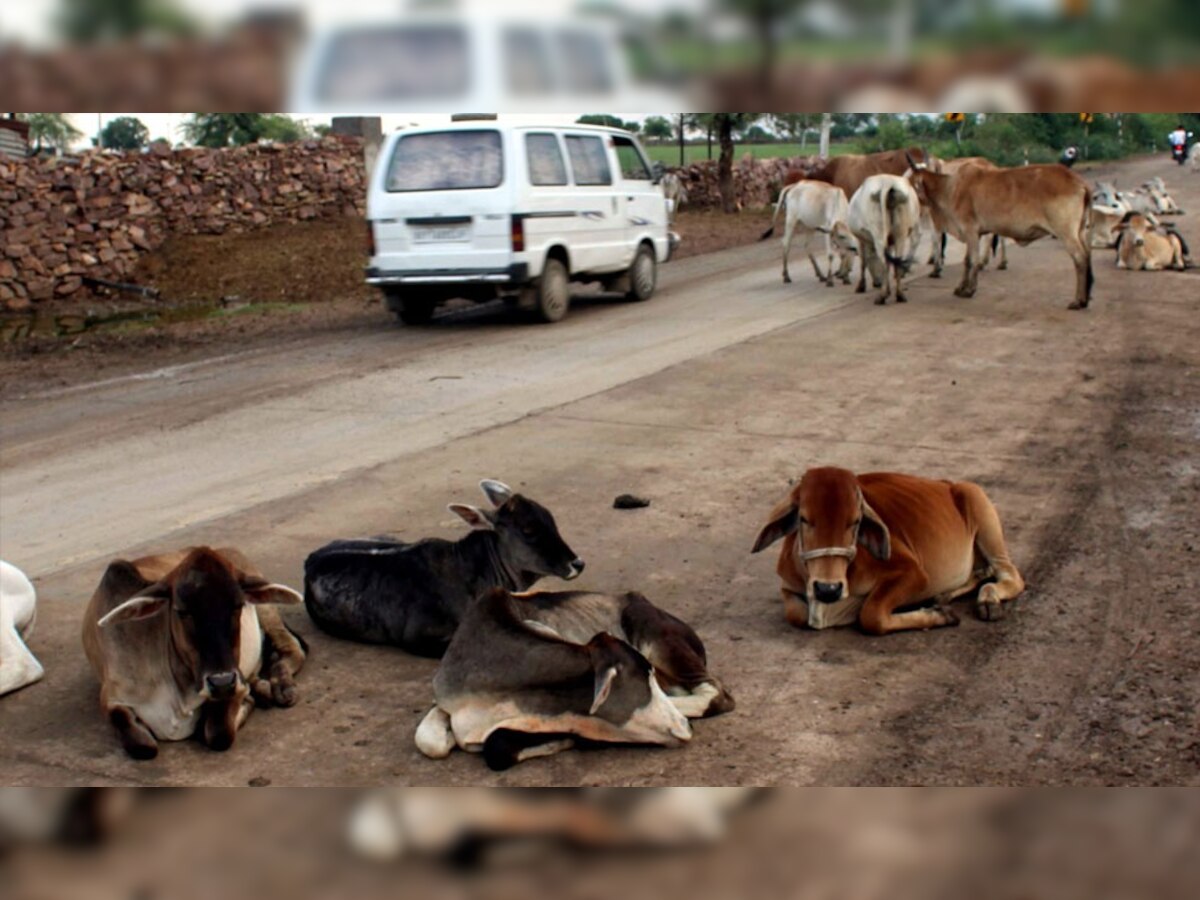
[1081, 255]
[966, 287]
[221, 719]
[795, 608]
[938, 255]
[787, 248]
[901, 297]
[505, 747]
[435, 737]
[989, 539]
[138, 741]
[902, 588]
[283, 657]
[862, 270]
[828, 279]
[1003, 253]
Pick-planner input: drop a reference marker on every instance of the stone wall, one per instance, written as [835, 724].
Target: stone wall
[755, 181]
[64, 220]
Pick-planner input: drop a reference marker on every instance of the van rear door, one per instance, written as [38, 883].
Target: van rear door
[443, 203]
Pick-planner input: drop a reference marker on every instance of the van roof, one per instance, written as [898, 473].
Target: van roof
[476, 124]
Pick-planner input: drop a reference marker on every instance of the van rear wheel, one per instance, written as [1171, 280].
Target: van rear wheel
[643, 274]
[416, 310]
[553, 292]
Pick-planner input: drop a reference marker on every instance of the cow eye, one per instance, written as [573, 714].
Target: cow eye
[804, 521]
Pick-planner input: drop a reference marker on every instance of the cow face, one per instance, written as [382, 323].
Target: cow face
[529, 540]
[205, 597]
[1136, 227]
[831, 519]
[628, 695]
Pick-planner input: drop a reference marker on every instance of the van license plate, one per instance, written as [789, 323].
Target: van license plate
[426, 234]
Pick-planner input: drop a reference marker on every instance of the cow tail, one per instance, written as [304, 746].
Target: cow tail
[775, 216]
[1085, 227]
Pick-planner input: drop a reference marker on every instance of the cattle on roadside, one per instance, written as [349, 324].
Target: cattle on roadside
[995, 247]
[1104, 226]
[850, 170]
[815, 207]
[1194, 157]
[385, 591]
[186, 643]
[885, 216]
[514, 685]
[1143, 200]
[674, 191]
[1162, 197]
[1141, 246]
[868, 547]
[18, 612]
[1024, 204]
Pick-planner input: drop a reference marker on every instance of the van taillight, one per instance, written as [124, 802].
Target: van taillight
[518, 234]
[370, 238]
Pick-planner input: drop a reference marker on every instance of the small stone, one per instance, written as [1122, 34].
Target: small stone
[630, 501]
[259, 781]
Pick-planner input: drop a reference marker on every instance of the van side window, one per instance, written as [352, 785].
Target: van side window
[545, 160]
[527, 62]
[633, 164]
[589, 162]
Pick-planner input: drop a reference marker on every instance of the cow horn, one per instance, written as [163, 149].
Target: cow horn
[912, 164]
[497, 492]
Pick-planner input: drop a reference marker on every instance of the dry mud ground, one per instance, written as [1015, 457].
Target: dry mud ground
[1082, 426]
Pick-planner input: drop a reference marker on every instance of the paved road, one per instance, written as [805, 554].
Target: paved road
[1081, 425]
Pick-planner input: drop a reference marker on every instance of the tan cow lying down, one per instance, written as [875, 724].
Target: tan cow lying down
[815, 207]
[532, 674]
[1024, 204]
[924, 541]
[184, 643]
[1141, 246]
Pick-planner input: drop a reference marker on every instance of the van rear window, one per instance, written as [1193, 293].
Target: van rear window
[446, 161]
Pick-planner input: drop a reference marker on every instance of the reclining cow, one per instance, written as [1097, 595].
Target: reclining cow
[530, 675]
[18, 612]
[868, 548]
[815, 207]
[1141, 246]
[1162, 197]
[1025, 204]
[384, 591]
[885, 217]
[185, 643]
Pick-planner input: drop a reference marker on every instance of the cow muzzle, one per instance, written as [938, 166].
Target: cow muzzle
[827, 591]
[221, 685]
[574, 569]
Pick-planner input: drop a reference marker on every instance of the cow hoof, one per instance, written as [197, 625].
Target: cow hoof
[949, 617]
[861, 289]
[988, 606]
[1077, 305]
[787, 279]
[900, 298]
[284, 693]
[141, 752]
[1002, 267]
[936, 273]
[880, 301]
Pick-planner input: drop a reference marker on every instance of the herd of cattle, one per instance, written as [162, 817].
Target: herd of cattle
[187, 643]
[877, 206]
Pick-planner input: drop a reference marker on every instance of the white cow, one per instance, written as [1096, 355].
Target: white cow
[885, 217]
[18, 610]
[815, 207]
[1104, 225]
[1162, 197]
[1194, 156]
[674, 191]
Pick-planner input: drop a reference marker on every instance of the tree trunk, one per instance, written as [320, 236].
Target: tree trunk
[710, 131]
[682, 129]
[826, 128]
[725, 165]
[766, 47]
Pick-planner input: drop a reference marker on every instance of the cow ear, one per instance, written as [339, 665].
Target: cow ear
[604, 682]
[149, 602]
[782, 521]
[872, 533]
[473, 516]
[259, 590]
[497, 492]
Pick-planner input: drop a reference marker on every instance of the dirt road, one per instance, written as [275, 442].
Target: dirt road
[1083, 427]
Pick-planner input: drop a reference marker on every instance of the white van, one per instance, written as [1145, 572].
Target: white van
[483, 209]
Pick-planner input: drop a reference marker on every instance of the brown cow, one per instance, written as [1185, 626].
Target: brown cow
[925, 540]
[1142, 247]
[1024, 204]
[183, 644]
[850, 170]
[994, 246]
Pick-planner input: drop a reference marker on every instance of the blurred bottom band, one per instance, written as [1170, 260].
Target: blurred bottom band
[857, 844]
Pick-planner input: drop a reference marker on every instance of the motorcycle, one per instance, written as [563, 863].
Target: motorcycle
[1179, 153]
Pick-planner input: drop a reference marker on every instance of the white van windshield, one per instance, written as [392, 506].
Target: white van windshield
[446, 161]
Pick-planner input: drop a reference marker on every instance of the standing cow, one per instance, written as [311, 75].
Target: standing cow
[184, 643]
[815, 207]
[1024, 204]
[674, 191]
[18, 612]
[384, 591]
[885, 217]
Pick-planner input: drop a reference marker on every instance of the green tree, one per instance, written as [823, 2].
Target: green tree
[124, 133]
[237, 129]
[765, 17]
[657, 128]
[92, 20]
[726, 124]
[50, 130]
[601, 119]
